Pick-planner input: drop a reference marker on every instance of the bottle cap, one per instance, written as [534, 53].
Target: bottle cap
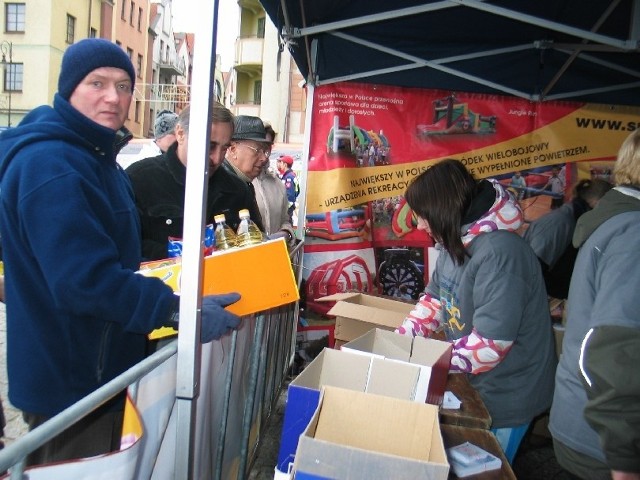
[243, 213]
[220, 218]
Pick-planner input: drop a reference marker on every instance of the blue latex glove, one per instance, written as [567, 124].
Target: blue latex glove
[216, 321]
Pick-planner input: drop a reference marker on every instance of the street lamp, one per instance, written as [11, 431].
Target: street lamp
[7, 49]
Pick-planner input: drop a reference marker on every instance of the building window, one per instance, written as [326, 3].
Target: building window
[13, 74]
[139, 19]
[137, 111]
[161, 51]
[119, 43]
[257, 92]
[150, 129]
[217, 91]
[133, 7]
[122, 10]
[14, 17]
[261, 27]
[71, 29]
[139, 66]
[93, 33]
[130, 54]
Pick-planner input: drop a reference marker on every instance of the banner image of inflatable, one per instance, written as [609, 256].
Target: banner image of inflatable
[369, 141]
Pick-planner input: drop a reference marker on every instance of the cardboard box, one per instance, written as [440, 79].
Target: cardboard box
[261, 273]
[337, 344]
[358, 435]
[357, 313]
[345, 370]
[433, 357]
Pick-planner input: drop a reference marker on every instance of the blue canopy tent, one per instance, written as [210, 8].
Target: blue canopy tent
[574, 50]
[538, 50]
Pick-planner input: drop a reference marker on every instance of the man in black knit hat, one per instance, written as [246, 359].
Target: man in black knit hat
[78, 314]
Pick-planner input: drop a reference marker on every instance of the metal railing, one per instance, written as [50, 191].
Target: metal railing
[270, 356]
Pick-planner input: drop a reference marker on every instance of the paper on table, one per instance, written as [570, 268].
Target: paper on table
[450, 401]
[469, 459]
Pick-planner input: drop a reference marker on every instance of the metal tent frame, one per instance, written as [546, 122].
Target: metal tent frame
[544, 50]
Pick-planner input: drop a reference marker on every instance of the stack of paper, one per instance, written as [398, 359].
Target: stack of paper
[469, 459]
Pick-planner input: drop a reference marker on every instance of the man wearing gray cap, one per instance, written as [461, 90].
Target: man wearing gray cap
[78, 314]
[164, 129]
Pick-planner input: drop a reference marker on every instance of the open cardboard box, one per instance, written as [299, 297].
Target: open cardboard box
[357, 313]
[345, 370]
[358, 435]
[261, 273]
[433, 357]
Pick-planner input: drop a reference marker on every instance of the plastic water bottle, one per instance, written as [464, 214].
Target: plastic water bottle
[224, 234]
[248, 232]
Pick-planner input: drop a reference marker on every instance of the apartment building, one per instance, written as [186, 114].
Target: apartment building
[129, 29]
[265, 81]
[33, 40]
[36, 34]
[168, 85]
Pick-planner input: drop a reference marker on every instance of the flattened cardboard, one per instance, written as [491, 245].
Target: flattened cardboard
[358, 435]
[435, 354]
[433, 357]
[345, 370]
[261, 273]
[357, 313]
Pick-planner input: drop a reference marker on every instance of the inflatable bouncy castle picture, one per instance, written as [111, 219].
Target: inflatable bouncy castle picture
[370, 148]
[339, 224]
[451, 116]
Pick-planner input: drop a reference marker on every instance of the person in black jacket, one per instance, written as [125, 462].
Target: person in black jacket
[159, 185]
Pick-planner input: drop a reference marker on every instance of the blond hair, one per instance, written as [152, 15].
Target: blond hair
[626, 170]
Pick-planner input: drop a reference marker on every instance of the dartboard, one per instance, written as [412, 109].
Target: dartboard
[400, 278]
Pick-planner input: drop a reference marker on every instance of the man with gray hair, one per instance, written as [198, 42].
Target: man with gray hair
[159, 185]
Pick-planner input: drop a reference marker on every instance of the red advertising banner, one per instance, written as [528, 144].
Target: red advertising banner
[369, 141]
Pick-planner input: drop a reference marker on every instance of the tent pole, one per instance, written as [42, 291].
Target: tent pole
[189, 347]
[302, 203]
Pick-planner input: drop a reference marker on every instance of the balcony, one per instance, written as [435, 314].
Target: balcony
[249, 56]
[246, 107]
[171, 67]
[253, 5]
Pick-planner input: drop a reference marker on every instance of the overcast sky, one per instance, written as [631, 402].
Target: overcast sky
[185, 16]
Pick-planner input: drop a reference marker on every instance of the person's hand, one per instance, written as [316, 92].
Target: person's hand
[279, 234]
[216, 321]
[286, 234]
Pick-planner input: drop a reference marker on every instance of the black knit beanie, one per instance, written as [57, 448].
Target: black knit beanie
[85, 56]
